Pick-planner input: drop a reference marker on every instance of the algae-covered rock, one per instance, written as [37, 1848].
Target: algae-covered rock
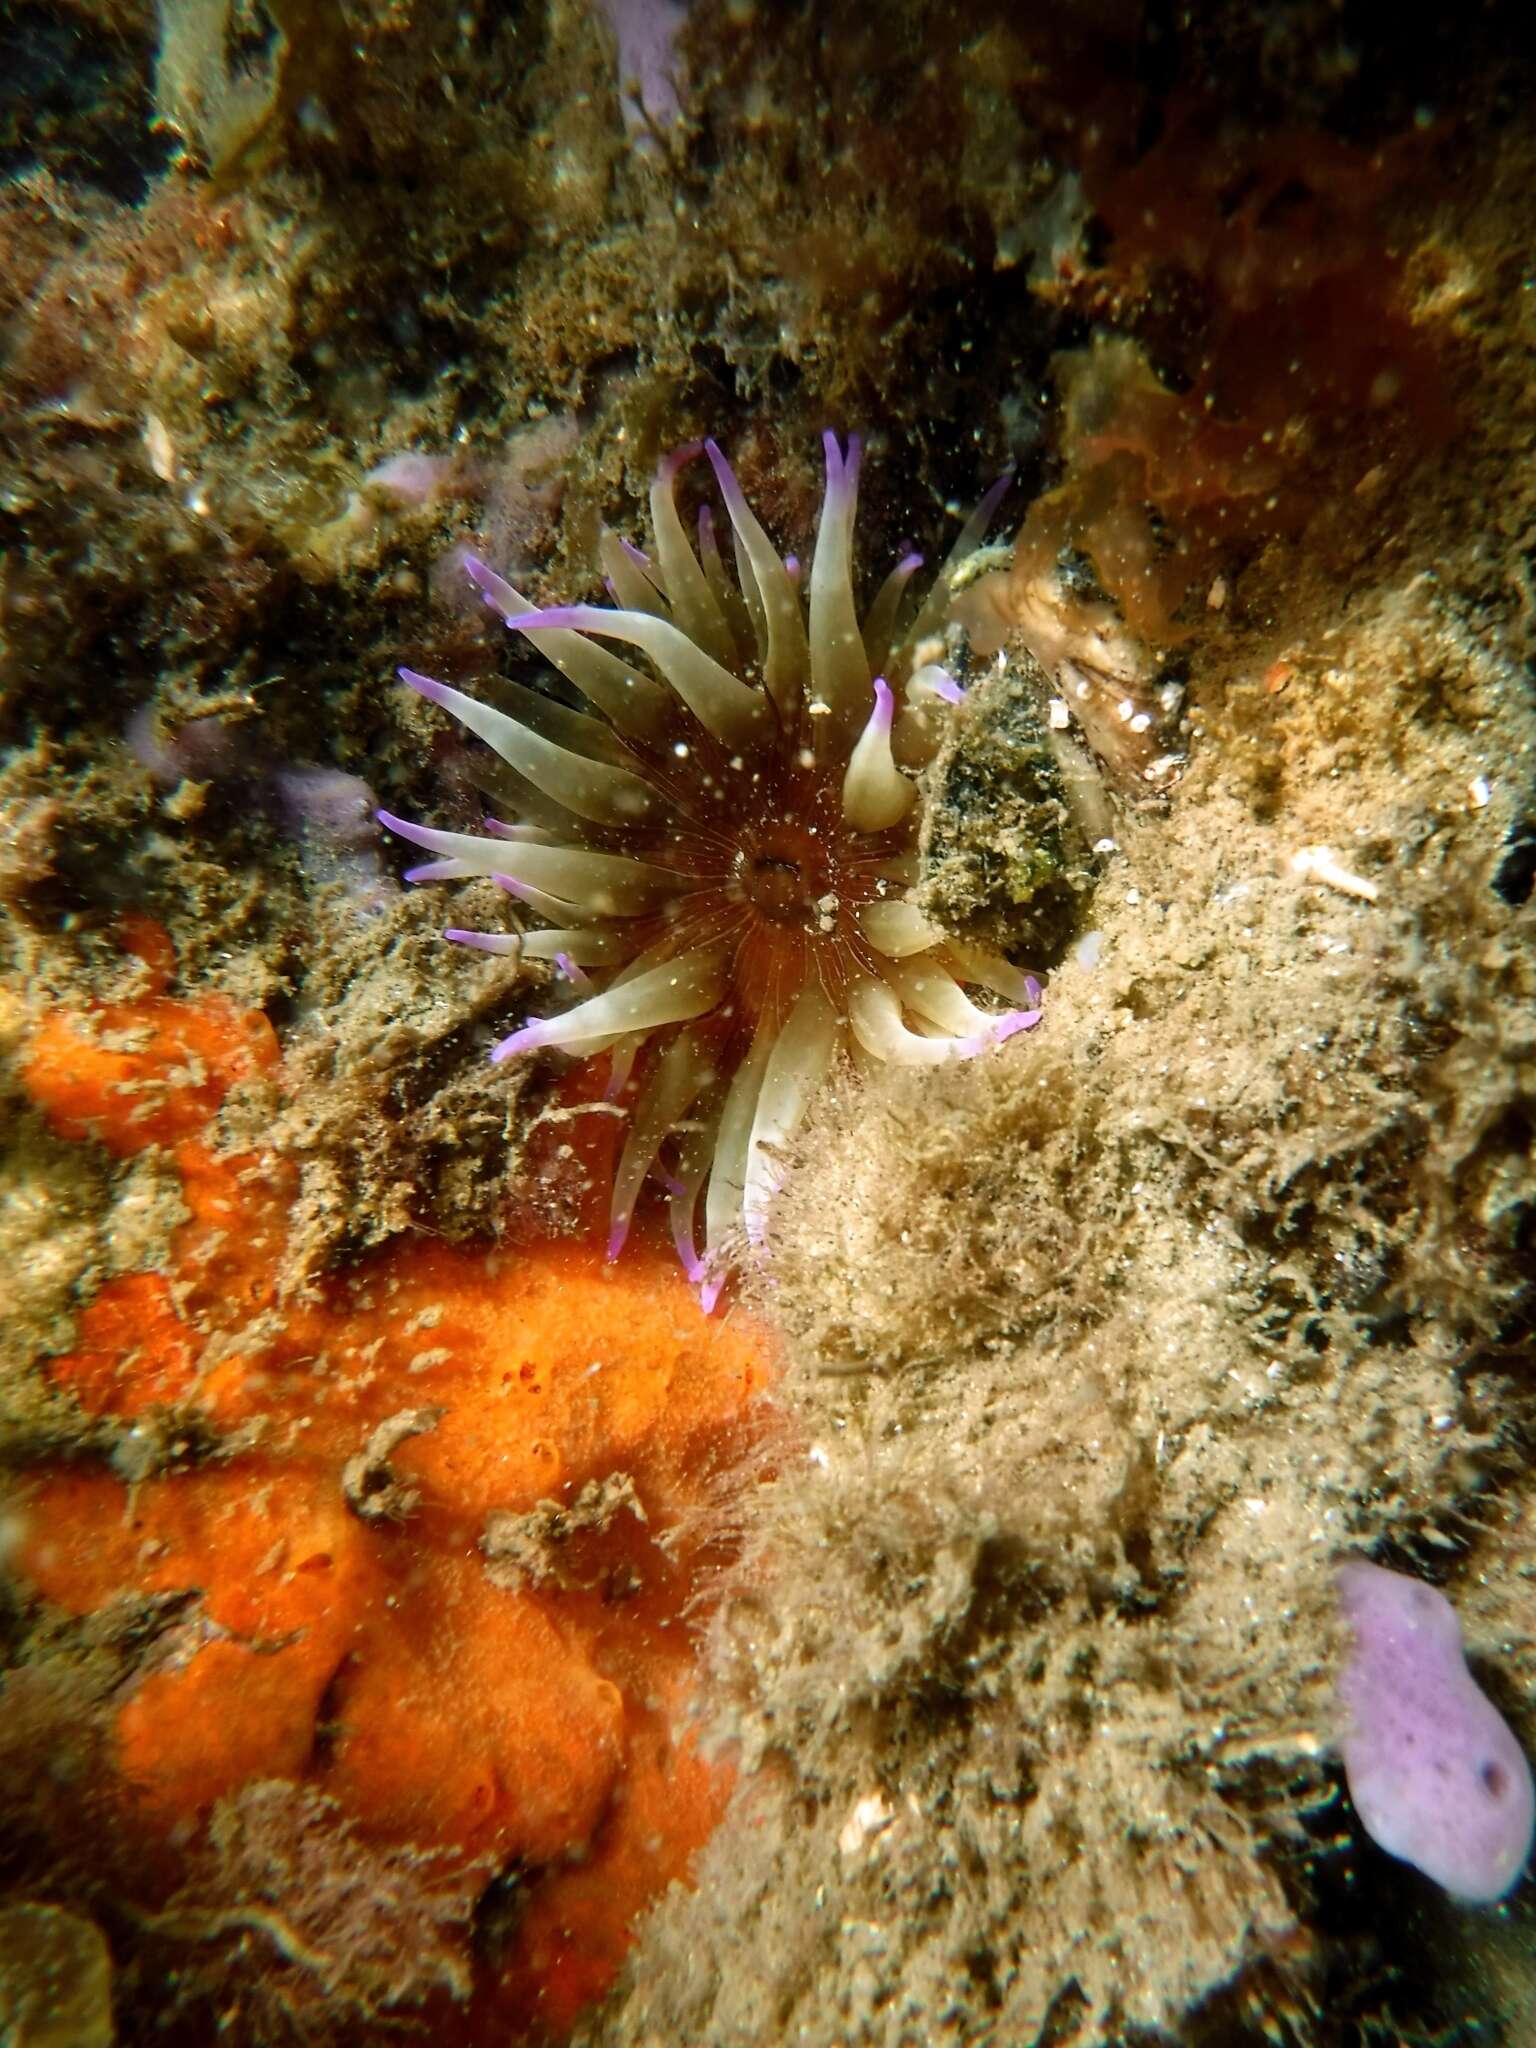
[55, 1980]
[1007, 843]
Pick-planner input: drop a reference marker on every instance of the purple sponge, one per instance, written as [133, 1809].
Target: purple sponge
[1436, 1775]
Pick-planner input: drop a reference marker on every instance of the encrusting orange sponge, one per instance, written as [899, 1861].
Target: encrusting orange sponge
[454, 1515]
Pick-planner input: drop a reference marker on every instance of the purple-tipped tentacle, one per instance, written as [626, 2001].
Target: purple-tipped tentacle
[437, 871]
[730, 488]
[842, 465]
[991, 498]
[426, 686]
[974, 531]
[418, 835]
[494, 589]
[569, 617]
[710, 1281]
[936, 681]
[536, 1032]
[520, 890]
[687, 1257]
[502, 943]
[522, 835]
[998, 1032]
[670, 465]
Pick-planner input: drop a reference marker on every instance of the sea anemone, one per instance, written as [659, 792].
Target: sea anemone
[731, 842]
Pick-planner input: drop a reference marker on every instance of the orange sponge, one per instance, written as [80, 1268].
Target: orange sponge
[441, 1565]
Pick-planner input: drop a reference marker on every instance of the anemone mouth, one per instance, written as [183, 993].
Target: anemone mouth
[785, 874]
[727, 836]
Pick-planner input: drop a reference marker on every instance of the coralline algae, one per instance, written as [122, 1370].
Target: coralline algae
[1433, 1768]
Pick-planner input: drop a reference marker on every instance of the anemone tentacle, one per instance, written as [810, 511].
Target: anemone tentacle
[727, 837]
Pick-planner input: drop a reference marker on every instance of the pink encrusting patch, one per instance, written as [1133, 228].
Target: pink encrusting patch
[1434, 1770]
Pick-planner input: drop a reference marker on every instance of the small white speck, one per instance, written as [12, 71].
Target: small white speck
[870, 1816]
[1060, 717]
[1479, 792]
